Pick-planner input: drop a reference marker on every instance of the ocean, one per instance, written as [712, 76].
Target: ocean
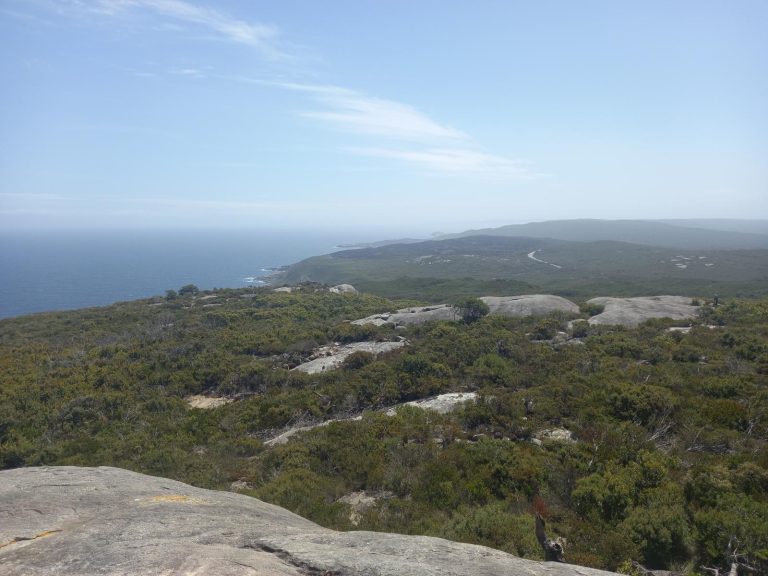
[42, 271]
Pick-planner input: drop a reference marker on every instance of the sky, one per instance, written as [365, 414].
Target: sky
[396, 116]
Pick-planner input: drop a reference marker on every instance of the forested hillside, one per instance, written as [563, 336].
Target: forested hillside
[681, 234]
[500, 265]
[635, 444]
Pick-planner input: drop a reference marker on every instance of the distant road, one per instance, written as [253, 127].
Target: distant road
[532, 256]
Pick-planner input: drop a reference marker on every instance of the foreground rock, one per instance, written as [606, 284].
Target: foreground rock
[631, 312]
[66, 521]
[515, 306]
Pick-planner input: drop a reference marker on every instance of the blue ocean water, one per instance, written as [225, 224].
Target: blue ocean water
[42, 271]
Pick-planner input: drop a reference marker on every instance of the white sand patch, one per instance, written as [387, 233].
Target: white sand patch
[206, 402]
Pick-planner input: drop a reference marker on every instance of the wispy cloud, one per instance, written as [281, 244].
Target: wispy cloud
[189, 72]
[457, 160]
[444, 149]
[34, 196]
[357, 112]
[261, 36]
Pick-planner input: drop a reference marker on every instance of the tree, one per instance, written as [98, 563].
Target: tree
[471, 309]
[188, 290]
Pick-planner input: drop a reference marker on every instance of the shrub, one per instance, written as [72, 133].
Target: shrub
[471, 309]
[357, 360]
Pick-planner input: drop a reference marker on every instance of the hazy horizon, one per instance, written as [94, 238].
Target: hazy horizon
[349, 235]
[397, 116]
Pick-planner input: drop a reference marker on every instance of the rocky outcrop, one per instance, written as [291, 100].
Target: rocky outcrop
[524, 305]
[631, 312]
[554, 434]
[441, 404]
[68, 521]
[529, 305]
[332, 357]
[285, 436]
[414, 315]
[338, 289]
[342, 289]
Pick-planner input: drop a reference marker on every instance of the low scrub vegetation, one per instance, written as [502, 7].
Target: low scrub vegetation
[668, 462]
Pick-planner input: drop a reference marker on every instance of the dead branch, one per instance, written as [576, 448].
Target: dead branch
[554, 550]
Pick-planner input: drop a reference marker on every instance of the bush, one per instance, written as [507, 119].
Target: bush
[660, 530]
[580, 329]
[592, 309]
[357, 360]
[495, 525]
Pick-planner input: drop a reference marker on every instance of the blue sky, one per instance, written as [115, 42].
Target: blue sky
[391, 116]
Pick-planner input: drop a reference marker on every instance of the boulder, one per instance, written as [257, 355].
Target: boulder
[555, 434]
[343, 289]
[68, 521]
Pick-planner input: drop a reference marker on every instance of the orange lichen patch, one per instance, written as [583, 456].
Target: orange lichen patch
[18, 539]
[170, 498]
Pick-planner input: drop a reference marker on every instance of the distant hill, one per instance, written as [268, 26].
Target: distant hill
[725, 224]
[711, 235]
[558, 266]
[380, 243]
